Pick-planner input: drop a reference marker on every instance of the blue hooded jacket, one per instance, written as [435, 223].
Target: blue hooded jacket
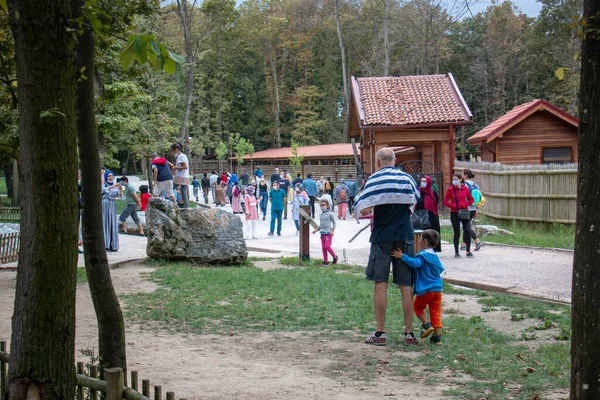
[429, 270]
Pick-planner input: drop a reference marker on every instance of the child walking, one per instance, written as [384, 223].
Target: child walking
[300, 198]
[250, 203]
[428, 284]
[144, 197]
[327, 229]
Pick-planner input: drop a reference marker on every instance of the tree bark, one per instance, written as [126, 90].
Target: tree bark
[190, 60]
[111, 328]
[16, 193]
[386, 66]
[585, 350]
[42, 357]
[344, 72]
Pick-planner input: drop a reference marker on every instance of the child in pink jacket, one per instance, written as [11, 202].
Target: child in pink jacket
[250, 202]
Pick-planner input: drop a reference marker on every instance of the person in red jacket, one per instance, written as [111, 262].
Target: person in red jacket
[458, 197]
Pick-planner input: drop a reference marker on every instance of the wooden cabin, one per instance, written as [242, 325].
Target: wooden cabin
[420, 112]
[532, 133]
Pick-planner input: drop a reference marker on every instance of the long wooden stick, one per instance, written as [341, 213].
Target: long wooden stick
[361, 231]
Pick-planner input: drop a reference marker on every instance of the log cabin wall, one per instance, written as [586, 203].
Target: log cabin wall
[524, 143]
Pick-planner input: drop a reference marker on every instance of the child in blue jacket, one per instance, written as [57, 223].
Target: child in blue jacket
[428, 284]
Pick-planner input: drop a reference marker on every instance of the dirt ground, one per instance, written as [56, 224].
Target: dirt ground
[290, 365]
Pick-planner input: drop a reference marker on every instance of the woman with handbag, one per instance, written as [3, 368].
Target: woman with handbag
[458, 198]
[428, 204]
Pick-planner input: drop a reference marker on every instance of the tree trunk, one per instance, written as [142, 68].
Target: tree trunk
[8, 176]
[190, 60]
[386, 66]
[344, 72]
[42, 356]
[111, 328]
[16, 193]
[277, 106]
[585, 350]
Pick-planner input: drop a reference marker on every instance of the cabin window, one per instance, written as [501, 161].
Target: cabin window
[557, 155]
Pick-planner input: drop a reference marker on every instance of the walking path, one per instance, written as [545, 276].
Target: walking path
[532, 272]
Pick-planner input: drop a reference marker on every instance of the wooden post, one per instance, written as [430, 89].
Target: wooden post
[157, 392]
[134, 380]
[170, 396]
[304, 253]
[80, 388]
[114, 383]
[146, 387]
[93, 374]
[3, 370]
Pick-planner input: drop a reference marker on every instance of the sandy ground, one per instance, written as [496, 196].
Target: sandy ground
[290, 365]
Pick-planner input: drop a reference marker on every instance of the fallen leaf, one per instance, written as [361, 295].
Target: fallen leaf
[531, 370]
[539, 363]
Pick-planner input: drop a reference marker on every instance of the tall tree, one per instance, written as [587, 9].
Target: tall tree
[585, 351]
[111, 327]
[343, 57]
[386, 44]
[43, 333]
[186, 13]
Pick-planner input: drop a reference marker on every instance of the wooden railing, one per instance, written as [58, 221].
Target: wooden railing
[113, 387]
[9, 247]
[12, 214]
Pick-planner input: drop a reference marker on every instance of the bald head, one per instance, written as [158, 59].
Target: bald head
[385, 158]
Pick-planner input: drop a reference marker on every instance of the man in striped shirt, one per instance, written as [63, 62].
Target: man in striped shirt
[390, 194]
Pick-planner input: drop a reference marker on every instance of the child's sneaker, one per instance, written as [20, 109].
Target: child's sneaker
[376, 340]
[427, 330]
[324, 263]
[335, 260]
[410, 339]
[436, 339]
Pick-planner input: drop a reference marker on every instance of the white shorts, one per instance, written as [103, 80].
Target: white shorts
[167, 186]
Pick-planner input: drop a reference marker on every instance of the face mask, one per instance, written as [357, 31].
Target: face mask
[455, 182]
[323, 209]
[423, 185]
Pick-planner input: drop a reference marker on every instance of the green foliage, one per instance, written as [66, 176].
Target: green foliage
[242, 149]
[296, 158]
[3, 5]
[221, 151]
[145, 48]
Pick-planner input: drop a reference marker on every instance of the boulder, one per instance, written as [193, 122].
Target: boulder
[491, 230]
[197, 234]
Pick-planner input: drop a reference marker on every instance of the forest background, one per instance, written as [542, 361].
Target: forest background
[269, 72]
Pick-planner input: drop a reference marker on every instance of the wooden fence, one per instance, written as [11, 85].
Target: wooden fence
[113, 387]
[10, 214]
[9, 247]
[535, 193]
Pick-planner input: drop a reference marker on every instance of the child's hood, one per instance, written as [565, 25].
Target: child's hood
[433, 261]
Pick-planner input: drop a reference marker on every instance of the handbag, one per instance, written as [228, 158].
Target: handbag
[420, 219]
[463, 215]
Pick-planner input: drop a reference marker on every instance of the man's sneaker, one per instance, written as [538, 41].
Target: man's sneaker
[436, 339]
[463, 247]
[479, 245]
[335, 260]
[270, 233]
[469, 254]
[376, 341]
[410, 339]
[427, 330]
[457, 255]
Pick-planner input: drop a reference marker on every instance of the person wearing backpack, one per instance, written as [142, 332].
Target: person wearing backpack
[341, 197]
[467, 177]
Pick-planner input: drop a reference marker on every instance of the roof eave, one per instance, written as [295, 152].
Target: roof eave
[461, 99]
[417, 126]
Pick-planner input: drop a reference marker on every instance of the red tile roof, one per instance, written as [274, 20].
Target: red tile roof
[516, 115]
[338, 150]
[409, 100]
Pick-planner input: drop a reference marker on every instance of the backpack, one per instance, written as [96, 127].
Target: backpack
[342, 195]
[476, 193]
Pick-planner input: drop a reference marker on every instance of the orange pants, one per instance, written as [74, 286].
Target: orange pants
[434, 301]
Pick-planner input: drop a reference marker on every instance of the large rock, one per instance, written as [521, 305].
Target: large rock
[491, 230]
[197, 234]
[132, 227]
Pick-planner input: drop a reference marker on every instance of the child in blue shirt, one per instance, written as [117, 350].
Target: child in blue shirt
[428, 284]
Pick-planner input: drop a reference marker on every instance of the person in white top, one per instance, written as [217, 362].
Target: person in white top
[182, 173]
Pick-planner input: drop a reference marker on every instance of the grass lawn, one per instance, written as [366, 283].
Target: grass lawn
[560, 236]
[81, 276]
[338, 299]
[3, 189]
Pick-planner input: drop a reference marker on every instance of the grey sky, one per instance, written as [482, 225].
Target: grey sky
[529, 7]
